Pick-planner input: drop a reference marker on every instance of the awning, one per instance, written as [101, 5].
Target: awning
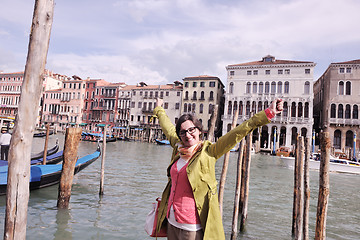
[83, 124]
[119, 127]
[72, 124]
[101, 125]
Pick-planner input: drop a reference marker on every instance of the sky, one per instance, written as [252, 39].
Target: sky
[162, 41]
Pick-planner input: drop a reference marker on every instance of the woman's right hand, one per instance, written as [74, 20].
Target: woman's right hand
[159, 102]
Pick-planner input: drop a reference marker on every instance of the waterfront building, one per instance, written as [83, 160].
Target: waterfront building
[336, 104]
[123, 106]
[143, 101]
[252, 86]
[10, 90]
[200, 95]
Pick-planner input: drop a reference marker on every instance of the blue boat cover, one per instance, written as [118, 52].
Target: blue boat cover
[36, 171]
[52, 156]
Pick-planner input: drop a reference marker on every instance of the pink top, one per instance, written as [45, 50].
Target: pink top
[182, 198]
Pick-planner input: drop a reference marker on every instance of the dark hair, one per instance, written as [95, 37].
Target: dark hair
[189, 117]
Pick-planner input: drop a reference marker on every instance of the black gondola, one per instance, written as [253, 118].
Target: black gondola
[47, 175]
[50, 159]
[49, 152]
[42, 134]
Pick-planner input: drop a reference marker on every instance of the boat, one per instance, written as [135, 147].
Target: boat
[283, 151]
[54, 158]
[95, 137]
[47, 175]
[42, 134]
[162, 142]
[49, 152]
[336, 165]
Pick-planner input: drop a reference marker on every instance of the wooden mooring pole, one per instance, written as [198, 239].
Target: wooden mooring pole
[324, 186]
[212, 123]
[46, 144]
[72, 139]
[306, 189]
[234, 228]
[101, 191]
[225, 167]
[298, 189]
[245, 179]
[17, 193]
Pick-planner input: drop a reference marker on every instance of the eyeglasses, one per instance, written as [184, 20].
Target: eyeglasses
[191, 130]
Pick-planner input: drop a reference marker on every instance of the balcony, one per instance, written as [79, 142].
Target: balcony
[341, 121]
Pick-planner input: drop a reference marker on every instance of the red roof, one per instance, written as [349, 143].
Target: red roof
[269, 60]
[349, 62]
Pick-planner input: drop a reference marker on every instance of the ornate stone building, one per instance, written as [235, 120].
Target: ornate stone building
[336, 103]
[252, 86]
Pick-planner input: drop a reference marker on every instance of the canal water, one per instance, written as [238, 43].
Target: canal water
[135, 174]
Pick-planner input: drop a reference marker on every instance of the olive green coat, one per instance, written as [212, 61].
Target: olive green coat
[201, 172]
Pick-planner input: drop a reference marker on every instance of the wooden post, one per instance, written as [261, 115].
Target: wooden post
[225, 167]
[245, 179]
[101, 192]
[46, 144]
[212, 124]
[72, 139]
[298, 189]
[17, 195]
[324, 186]
[234, 229]
[306, 189]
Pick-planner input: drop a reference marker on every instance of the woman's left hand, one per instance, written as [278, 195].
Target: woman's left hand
[276, 106]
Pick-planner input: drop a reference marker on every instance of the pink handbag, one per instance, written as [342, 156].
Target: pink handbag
[151, 220]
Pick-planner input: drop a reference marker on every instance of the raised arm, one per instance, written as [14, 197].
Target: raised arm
[165, 123]
[229, 140]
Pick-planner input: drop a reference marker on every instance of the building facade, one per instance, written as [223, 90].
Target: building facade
[336, 104]
[200, 95]
[252, 86]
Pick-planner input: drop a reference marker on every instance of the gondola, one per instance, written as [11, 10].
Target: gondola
[162, 142]
[94, 137]
[47, 175]
[49, 152]
[50, 159]
[42, 134]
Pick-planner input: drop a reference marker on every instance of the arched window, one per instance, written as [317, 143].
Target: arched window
[347, 111]
[267, 87]
[194, 96]
[201, 110]
[231, 88]
[306, 110]
[337, 139]
[261, 87]
[307, 87]
[349, 141]
[229, 127]
[240, 108]
[253, 107]
[293, 109]
[247, 108]
[260, 106]
[285, 111]
[185, 107]
[210, 108]
[341, 88]
[279, 90]
[255, 87]
[348, 88]
[193, 107]
[273, 87]
[286, 87]
[340, 111]
[235, 106]
[300, 109]
[189, 107]
[211, 95]
[355, 112]
[202, 95]
[266, 104]
[229, 108]
[333, 111]
[248, 87]
[186, 95]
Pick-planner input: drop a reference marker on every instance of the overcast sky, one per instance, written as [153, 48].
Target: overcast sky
[162, 41]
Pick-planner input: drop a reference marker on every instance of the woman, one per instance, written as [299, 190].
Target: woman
[189, 203]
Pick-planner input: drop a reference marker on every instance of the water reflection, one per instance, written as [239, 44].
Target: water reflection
[63, 228]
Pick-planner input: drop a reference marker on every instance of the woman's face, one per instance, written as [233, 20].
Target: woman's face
[189, 134]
